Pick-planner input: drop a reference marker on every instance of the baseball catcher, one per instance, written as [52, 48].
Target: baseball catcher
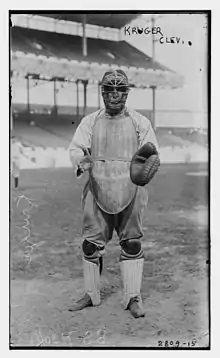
[118, 148]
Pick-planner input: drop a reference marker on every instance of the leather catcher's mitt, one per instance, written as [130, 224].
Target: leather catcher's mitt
[144, 164]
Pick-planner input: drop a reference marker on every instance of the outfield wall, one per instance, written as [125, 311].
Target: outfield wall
[59, 157]
[47, 142]
[42, 114]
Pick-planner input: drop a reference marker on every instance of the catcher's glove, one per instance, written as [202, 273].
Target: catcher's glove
[144, 164]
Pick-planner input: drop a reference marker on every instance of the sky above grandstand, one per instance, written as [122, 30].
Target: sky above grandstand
[188, 59]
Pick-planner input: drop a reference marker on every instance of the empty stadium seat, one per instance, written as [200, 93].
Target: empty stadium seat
[70, 47]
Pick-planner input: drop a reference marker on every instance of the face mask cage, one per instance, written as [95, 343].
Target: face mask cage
[109, 88]
[114, 82]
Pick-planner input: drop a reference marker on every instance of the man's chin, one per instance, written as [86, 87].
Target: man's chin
[115, 105]
[114, 109]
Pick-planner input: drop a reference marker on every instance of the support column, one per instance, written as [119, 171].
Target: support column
[28, 93]
[153, 40]
[77, 98]
[84, 39]
[85, 83]
[153, 107]
[54, 96]
[153, 87]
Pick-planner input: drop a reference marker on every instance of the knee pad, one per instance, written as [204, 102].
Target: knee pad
[132, 249]
[131, 246]
[89, 249]
[93, 253]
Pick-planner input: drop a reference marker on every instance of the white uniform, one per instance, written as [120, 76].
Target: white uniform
[110, 200]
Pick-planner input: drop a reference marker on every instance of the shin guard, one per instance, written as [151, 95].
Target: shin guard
[92, 281]
[131, 271]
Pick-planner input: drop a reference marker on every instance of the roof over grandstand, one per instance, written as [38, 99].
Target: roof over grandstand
[112, 20]
[51, 54]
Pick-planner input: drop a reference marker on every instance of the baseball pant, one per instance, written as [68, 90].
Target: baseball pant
[98, 226]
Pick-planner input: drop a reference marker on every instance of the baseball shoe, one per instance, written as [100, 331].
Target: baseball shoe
[135, 306]
[82, 303]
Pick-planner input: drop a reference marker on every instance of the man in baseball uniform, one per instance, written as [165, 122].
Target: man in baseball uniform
[17, 151]
[104, 144]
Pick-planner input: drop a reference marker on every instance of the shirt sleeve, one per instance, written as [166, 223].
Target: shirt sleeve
[81, 138]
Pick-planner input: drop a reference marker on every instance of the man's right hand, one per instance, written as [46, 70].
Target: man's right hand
[86, 162]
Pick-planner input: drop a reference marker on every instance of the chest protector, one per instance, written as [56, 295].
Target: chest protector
[114, 142]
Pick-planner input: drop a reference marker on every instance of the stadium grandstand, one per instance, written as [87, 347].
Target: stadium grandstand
[57, 61]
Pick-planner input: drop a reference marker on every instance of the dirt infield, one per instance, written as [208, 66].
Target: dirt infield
[46, 268]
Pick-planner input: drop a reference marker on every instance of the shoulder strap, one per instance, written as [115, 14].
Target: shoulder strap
[131, 115]
[94, 122]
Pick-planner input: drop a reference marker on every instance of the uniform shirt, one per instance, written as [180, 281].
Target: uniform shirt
[83, 134]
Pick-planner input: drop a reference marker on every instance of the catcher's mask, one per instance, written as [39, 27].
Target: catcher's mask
[115, 88]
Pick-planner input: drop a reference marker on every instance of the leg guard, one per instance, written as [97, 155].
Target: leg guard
[92, 281]
[92, 252]
[131, 249]
[131, 271]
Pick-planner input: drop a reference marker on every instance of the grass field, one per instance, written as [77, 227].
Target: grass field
[46, 268]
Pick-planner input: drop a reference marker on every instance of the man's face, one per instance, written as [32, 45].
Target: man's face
[114, 98]
[114, 93]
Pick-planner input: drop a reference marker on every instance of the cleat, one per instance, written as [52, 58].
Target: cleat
[82, 303]
[136, 308]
